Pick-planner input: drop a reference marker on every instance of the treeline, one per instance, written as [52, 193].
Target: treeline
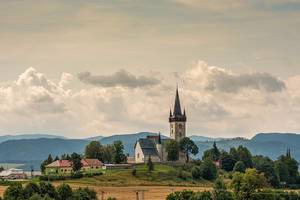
[282, 172]
[113, 153]
[46, 191]
[245, 186]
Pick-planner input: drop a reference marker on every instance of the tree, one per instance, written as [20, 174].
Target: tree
[172, 149]
[119, 156]
[282, 171]
[76, 162]
[213, 153]
[266, 166]
[220, 191]
[150, 164]
[46, 162]
[108, 153]
[56, 158]
[94, 150]
[84, 194]
[47, 189]
[208, 170]
[64, 192]
[246, 184]
[227, 161]
[188, 147]
[30, 189]
[13, 192]
[196, 172]
[202, 196]
[245, 156]
[239, 167]
[292, 167]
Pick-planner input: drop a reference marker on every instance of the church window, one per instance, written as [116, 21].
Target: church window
[138, 155]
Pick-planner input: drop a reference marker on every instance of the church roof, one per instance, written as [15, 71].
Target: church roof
[148, 146]
[177, 106]
[177, 114]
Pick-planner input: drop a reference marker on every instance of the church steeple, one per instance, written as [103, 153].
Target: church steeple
[177, 106]
[177, 120]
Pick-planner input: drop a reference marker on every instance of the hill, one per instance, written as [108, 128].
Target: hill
[27, 136]
[35, 150]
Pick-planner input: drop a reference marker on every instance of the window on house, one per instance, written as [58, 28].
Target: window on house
[138, 155]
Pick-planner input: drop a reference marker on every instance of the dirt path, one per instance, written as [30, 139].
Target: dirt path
[151, 192]
[128, 193]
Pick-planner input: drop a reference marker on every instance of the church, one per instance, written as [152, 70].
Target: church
[155, 146]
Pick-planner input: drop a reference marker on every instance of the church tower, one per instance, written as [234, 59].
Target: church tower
[177, 120]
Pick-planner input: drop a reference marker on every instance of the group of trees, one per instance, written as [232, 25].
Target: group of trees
[46, 191]
[186, 146]
[244, 186]
[113, 153]
[282, 171]
[107, 154]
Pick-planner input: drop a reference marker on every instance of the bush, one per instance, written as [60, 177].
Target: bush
[64, 192]
[202, 196]
[84, 193]
[196, 172]
[30, 189]
[182, 195]
[133, 172]
[208, 170]
[14, 192]
[47, 189]
[239, 167]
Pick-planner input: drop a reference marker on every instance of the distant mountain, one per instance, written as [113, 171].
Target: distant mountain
[198, 138]
[35, 150]
[96, 138]
[27, 136]
[38, 149]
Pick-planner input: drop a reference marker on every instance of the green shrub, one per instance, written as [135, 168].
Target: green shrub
[184, 174]
[239, 167]
[196, 172]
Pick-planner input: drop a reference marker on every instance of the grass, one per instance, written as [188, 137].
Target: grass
[163, 175]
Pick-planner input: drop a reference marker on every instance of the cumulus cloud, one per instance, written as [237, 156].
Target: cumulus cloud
[219, 79]
[218, 102]
[120, 78]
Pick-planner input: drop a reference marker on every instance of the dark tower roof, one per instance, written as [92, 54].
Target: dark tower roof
[177, 113]
[177, 107]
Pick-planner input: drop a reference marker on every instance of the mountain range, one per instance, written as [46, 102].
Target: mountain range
[36, 147]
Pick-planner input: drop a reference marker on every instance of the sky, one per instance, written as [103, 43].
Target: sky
[83, 68]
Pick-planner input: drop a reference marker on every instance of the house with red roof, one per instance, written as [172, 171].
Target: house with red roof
[64, 167]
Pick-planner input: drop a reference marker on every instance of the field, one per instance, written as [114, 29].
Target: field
[122, 184]
[163, 175]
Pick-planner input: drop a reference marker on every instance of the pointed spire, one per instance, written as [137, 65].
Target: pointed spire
[170, 112]
[184, 112]
[177, 106]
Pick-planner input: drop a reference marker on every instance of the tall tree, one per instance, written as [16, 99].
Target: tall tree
[188, 147]
[76, 162]
[94, 150]
[46, 162]
[172, 149]
[119, 156]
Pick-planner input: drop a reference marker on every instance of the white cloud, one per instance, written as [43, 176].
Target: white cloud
[218, 79]
[219, 102]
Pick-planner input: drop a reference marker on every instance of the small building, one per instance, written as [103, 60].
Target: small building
[12, 174]
[64, 167]
[59, 167]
